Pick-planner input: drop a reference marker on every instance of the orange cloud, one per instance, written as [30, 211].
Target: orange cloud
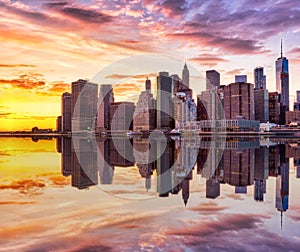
[25, 186]
[16, 65]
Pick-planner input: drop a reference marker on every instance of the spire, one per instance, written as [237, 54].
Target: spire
[281, 49]
[281, 221]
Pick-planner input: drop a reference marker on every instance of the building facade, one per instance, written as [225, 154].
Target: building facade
[121, 116]
[239, 101]
[240, 78]
[274, 107]
[259, 78]
[66, 112]
[144, 114]
[212, 79]
[106, 98]
[282, 80]
[84, 105]
[165, 93]
[261, 105]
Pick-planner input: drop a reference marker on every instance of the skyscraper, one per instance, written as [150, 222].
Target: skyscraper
[259, 78]
[144, 114]
[282, 79]
[239, 101]
[212, 79]
[84, 105]
[66, 111]
[165, 92]
[186, 76]
[106, 97]
[261, 101]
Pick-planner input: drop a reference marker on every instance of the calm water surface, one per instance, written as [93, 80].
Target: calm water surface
[204, 194]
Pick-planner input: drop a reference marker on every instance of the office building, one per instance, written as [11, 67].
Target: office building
[292, 116]
[259, 78]
[297, 102]
[66, 157]
[239, 167]
[121, 116]
[212, 188]
[121, 152]
[239, 101]
[144, 114]
[106, 171]
[106, 98]
[261, 105]
[241, 78]
[83, 163]
[165, 91]
[186, 76]
[282, 80]
[59, 124]
[66, 112]
[84, 105]
[209, 106]
[212, 79]
[274, 107]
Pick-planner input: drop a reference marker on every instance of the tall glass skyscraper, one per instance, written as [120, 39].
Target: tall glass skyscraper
[282, 79]
[259, 78]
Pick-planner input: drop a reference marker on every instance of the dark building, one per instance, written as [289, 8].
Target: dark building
[239, 167]
[261, 171]
[106, 171]
[212, 188]
[106, 98]
[121, 152]
[212, 79]
[66, 112]
[164, 163]
[296, 106]
[239, 101]
[83, 163]
[261, 105]
[259, 78]
[121, 116]
[59, 124]
[84, 105]
[66, 156]
[165, 106]
[274, 107]
[240, 78]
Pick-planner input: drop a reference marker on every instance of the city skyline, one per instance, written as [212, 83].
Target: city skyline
[45, 47]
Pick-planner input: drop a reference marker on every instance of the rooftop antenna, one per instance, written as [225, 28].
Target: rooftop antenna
[281, 48]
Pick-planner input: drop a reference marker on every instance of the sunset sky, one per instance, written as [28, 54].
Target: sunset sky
[45, 45]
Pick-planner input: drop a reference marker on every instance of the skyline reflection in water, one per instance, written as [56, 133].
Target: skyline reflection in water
[199, 193]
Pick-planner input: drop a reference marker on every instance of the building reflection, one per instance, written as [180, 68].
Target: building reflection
[173, 162]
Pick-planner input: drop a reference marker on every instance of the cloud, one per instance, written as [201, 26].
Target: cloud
[35, 82]
[16, 202]
[84, 15]
[25, 81]
[25, 186]
[125, 76]
[126, 88]
[208, 59]
[208, 208]
[173, 8]
[295, 50]
[236, 71]
[16, 65]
